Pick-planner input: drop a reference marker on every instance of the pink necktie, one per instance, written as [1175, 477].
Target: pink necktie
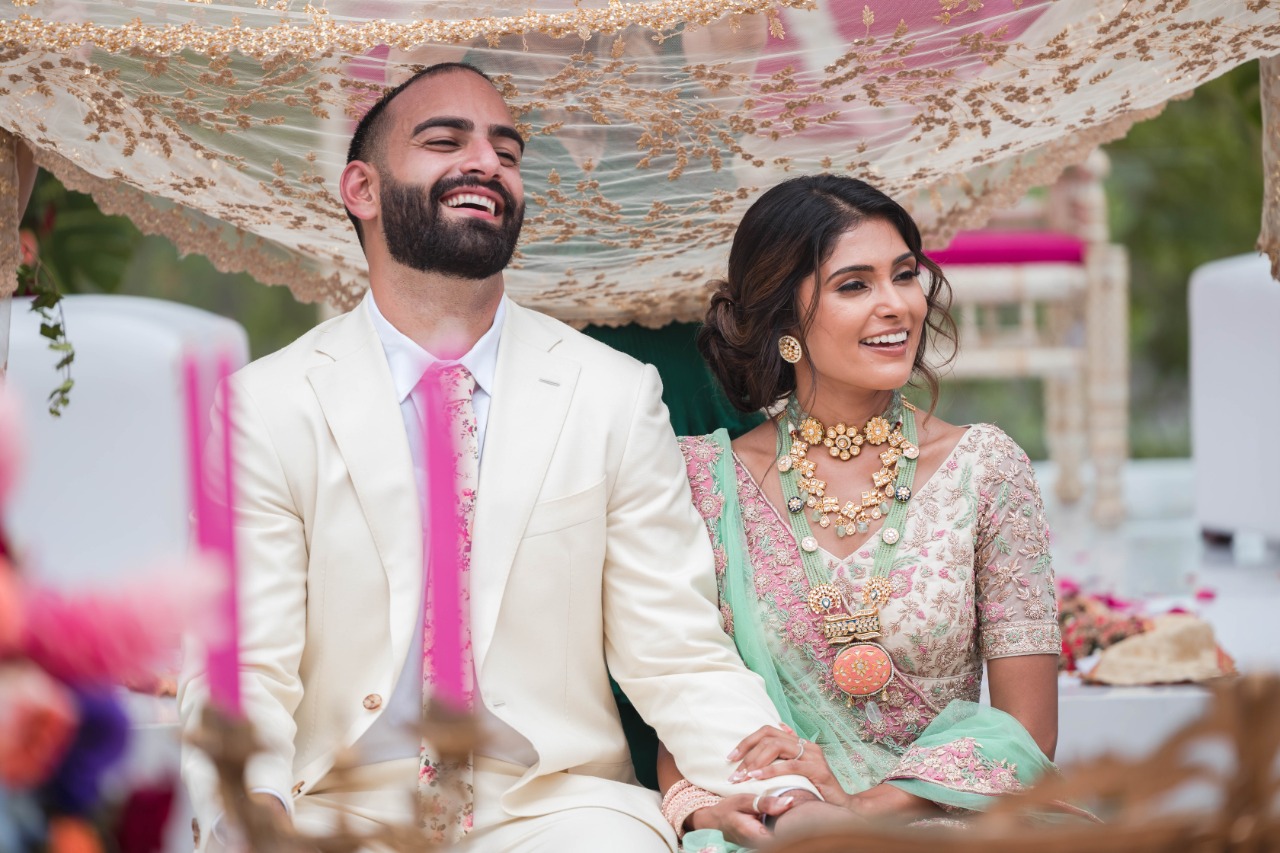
[451, 462]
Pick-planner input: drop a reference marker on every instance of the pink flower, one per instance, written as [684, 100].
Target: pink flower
[37, 720]
[427, 773]
[29, 246]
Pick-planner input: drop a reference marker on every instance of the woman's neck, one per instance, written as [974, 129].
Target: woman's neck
[851, 406]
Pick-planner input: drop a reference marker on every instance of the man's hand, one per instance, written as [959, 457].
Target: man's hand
[813, 816]
[884, 800]
[738, 817]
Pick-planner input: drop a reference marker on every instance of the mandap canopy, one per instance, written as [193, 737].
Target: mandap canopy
[652, 125]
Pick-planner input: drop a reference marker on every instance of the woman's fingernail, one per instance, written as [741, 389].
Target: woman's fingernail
[734, 755]
[737, 776]
[754, 774]
[786, 801]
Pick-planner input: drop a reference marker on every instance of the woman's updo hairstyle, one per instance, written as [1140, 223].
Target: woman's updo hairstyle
[786, 236]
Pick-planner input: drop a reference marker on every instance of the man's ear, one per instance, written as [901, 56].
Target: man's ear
[359, 189]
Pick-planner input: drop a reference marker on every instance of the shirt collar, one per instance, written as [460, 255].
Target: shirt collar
[408, 361]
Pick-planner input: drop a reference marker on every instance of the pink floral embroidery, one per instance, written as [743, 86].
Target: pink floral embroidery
[959, 766]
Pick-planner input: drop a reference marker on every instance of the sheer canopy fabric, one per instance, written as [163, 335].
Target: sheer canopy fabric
[651, 125]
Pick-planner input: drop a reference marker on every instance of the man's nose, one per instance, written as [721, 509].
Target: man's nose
[482, 159]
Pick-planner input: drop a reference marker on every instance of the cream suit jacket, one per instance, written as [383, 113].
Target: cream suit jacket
[588, 558]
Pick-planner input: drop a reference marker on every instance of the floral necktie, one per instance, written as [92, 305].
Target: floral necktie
[445, 778]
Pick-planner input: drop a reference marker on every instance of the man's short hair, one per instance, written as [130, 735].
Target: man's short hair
[367, 138]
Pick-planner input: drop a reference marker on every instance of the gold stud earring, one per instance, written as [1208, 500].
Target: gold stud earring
[789, 348]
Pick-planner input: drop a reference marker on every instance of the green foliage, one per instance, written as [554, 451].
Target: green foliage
[38, 281]
[1185, 189]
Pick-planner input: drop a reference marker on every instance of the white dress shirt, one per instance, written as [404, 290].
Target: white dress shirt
[395, 733]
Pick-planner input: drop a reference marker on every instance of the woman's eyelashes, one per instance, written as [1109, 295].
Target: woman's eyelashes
[855, 284]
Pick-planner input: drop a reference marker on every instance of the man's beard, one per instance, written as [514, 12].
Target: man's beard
[418, 236]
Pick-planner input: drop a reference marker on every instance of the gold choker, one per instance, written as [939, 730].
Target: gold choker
[844, 443]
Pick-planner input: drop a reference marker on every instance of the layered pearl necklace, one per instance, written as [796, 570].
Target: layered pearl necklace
[844, 443]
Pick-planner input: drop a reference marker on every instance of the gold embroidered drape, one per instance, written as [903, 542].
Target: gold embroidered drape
[652, 125]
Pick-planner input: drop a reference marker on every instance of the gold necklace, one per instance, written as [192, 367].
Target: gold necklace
[845, 443]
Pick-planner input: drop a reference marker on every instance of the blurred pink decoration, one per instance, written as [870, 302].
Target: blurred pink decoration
[11, 616]
[37, 722]
[443, 572]
[125, 636]
[215, 530]
[11, 446]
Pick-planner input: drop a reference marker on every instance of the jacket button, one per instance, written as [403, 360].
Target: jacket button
[297, 789]
[373, 702]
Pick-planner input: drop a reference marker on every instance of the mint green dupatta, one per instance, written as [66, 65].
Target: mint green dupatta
[968, 754]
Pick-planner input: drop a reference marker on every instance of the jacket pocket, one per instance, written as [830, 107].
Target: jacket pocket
[559, 513]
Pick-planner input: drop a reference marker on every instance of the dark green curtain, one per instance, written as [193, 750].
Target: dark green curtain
[698, 406]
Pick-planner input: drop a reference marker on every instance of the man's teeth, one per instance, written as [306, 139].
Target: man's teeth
[896, 338]
[472, 199]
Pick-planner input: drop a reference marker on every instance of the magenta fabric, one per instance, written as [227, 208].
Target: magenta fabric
[1011, 247]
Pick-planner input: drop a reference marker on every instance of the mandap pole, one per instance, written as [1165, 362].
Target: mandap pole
[10, 218]
[1269, 239]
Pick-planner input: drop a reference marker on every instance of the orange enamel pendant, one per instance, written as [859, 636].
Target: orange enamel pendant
[862, 669]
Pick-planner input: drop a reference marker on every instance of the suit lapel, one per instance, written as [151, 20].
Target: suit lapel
[358, 399]
[531, 398]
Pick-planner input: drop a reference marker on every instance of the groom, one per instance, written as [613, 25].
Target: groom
[587, 556]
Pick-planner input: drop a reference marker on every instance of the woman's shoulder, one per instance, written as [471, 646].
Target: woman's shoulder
[988, 442]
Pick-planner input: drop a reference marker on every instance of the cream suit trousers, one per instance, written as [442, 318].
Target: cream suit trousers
[383, 794]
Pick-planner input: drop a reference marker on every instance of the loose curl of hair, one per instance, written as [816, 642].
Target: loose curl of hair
[784, 238]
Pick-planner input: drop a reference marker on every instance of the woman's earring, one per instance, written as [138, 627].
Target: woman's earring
[789, 348]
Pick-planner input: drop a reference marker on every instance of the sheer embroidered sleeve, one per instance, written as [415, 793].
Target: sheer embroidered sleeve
[701, 453]
[1016, 601]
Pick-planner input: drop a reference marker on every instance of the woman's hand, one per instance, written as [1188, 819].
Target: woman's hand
[738, 817]
[769, 752]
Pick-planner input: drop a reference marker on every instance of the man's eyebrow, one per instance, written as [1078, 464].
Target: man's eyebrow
[509, 132]
[465, 124]
[444, 121]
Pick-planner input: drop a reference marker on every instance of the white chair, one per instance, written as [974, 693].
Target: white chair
[1042, 293]
[105, 485]
[1235, 395]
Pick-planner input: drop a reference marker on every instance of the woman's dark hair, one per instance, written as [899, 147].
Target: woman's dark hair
[786, 236]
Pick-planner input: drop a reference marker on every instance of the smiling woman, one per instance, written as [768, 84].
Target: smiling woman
[870, 556]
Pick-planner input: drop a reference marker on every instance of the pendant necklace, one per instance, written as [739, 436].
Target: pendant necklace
[862, 668]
